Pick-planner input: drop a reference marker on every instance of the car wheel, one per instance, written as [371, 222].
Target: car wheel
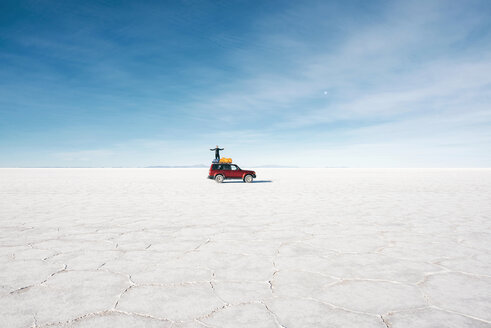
[219, 178]
[248, 178]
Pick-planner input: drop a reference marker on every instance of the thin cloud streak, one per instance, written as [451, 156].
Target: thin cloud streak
[333, 80]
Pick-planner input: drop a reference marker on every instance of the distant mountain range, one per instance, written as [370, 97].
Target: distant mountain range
[177, 166]
[195, 166]
[205, 166]
[274, 166]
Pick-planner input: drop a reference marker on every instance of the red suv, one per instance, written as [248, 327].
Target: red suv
[220, 172]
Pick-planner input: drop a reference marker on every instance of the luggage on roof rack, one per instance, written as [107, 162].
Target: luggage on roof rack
[225, 160]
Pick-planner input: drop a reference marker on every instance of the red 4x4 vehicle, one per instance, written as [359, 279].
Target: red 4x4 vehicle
[220, 172]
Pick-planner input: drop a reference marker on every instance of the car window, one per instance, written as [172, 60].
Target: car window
[215, 167]
[234, 167]
[226, 167]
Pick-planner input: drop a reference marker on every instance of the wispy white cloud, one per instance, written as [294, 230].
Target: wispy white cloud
[84, 155]
[405, 78]
[372, 65]
[333, 81]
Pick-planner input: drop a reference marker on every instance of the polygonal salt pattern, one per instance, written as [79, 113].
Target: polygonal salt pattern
[479, 264]
[242, 316]
[63, 297]
[432, 318]
[18, 274]
[307, 313]
[116, 319]
[313, 248]
[175, 303]
[298, 283]
[376, 297]
[377, 266]
[461, 293]
[236, 292]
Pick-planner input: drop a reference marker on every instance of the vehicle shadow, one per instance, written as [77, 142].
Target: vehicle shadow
[254, 181]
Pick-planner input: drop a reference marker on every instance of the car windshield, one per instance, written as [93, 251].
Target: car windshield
[225, 167]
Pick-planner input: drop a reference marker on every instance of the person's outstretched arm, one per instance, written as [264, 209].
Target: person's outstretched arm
[212, 149]
[221, 148]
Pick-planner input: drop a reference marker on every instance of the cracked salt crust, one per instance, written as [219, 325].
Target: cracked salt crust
[371, 296]
[241, 292]
[309, 313]
[176, 303]
[247, 315]
[63, 297]
[313, 248]
[286, 283]
[462, 293]
[117, 319]
[431, 317]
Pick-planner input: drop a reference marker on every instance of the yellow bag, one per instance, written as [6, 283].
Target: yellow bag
[225, 160]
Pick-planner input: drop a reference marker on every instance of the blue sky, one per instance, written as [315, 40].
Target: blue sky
[303, 83]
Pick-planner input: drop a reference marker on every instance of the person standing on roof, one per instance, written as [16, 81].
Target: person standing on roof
[217, 152]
